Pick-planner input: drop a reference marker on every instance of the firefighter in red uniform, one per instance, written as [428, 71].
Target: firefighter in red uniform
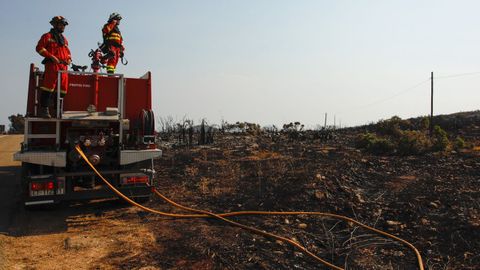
[54, 47]
[113, 41]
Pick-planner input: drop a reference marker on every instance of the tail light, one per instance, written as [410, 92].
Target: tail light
[42, 188]
[36, 186]
[47, 187]
[50, 186]
[134, 179]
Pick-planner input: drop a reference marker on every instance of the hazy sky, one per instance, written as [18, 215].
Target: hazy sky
[269, 62]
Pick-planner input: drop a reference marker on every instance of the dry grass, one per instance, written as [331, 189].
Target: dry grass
[261, 155]
[2, 256]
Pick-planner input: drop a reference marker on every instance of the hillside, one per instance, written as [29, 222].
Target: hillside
[430, 198]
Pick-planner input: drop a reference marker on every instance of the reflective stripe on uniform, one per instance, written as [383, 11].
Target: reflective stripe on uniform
[110, 68]
[43, 52]
[52, 90]
[43, 88]
[114, 36]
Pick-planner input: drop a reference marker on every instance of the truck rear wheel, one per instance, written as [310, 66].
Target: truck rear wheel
[25, 172]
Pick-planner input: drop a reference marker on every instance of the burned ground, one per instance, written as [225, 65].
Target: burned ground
[431, 200]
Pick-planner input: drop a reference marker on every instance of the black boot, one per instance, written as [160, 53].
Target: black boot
[44, 113]
[45, 102]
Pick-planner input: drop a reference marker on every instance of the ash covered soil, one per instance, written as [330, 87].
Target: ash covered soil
[430, 200]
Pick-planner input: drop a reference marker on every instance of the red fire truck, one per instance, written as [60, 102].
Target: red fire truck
[110, 117]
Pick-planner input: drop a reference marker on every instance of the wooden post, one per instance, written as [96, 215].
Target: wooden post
[325, 124]
[431, 104]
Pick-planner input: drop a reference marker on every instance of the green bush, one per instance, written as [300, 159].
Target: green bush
[405, 142]
[424, 123]
[460, 143]
[440, 140]
[389, 127]
[412, 142]
[373, 144]
[363, 141]
[382, 146]
[393, 126]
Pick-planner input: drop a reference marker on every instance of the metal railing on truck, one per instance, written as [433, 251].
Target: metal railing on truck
[60, 117]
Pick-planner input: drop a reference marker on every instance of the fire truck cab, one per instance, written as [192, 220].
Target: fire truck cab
[110, 117]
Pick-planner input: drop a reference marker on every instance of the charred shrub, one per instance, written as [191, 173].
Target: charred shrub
[293, 130]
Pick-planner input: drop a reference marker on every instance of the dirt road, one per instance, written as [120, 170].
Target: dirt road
[102, 234]
[75, 236]
[9, 177]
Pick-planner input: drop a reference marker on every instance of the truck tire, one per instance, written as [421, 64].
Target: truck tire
[142, 200]
[24, 183]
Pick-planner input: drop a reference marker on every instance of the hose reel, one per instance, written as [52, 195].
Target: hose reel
[147, 127]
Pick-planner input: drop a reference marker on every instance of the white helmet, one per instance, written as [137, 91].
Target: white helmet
[114, 16]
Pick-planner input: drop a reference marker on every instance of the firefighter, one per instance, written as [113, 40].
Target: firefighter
[113, 41]
[54, 47]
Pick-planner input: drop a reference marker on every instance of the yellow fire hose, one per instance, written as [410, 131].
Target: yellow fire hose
[205, 214]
